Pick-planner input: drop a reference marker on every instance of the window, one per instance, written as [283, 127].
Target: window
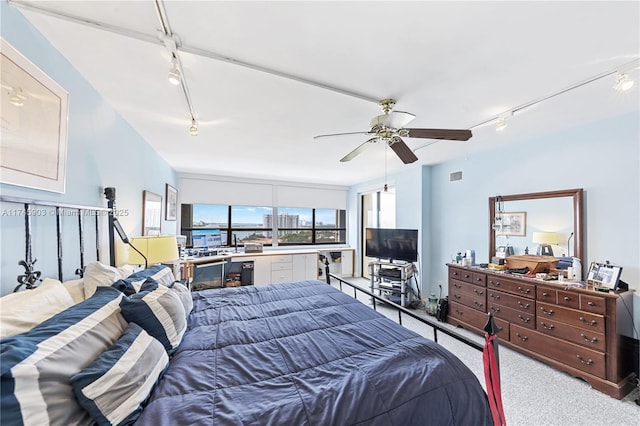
[291, 226]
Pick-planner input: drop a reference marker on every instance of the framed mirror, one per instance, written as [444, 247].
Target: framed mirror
[556, 214]
[151, 213]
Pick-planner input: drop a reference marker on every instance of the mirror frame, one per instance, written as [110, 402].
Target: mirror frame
[578, 216]
[151, 213]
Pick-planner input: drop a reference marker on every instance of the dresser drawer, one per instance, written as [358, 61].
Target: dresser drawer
[512, 301]
[467, 315]
[581, 319]
[594, 304]
[475, 301]
[581, 336]
[455, 273]
[569, 299]
[525, 319]
[522, 289]
[282, 276]
[549, 295]
[467, 288]
[576, 356]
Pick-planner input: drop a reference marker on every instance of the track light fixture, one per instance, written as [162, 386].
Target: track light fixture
[174, 72]
[623, 82]
[193, 130]
[501, 124]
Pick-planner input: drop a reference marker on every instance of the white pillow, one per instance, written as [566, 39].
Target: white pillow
[98, 274]
[21, 311]
[75, 289]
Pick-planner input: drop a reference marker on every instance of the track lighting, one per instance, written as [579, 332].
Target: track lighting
[623, 82]
[174, 72]
[501, 124]
[193, 130]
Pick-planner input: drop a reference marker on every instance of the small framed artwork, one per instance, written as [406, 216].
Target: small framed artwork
[604, 275]
[151, 213]
[171, 203]
[514, 223]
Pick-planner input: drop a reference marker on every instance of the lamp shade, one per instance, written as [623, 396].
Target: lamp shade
[157, 249]
[545, 238]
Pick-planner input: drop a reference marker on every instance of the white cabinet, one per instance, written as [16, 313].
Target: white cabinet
[261, 268]
[280, 267]
[305, 267]
[341, 261]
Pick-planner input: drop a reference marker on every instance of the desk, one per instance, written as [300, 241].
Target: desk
[268, 267]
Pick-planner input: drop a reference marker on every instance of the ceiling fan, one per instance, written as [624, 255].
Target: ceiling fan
[389, 128]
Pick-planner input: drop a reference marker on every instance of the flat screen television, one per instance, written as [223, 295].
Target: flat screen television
[206, 239]
[393, 244]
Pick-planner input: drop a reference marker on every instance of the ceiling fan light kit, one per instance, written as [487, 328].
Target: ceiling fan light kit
[389, 128]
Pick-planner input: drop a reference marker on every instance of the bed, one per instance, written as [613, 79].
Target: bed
[116, 347]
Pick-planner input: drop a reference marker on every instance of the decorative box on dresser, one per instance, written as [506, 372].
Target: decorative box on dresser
[571, 329]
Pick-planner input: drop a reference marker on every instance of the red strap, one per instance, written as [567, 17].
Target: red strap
[492, 379]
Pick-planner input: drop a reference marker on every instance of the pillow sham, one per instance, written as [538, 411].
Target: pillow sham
[75, 289]
[158, 310]
[114, 387]
[184, 294]
[162, 274]
[23, 310]
[98, 274]
[36, 366]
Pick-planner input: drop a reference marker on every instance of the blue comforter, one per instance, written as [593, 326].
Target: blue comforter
[307, 354]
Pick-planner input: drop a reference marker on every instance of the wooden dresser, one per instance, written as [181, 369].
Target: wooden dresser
[573, 330]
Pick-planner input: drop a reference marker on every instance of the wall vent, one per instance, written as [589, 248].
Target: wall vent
[455, 176]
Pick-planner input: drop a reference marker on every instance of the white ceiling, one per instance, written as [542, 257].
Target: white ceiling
[452, 64]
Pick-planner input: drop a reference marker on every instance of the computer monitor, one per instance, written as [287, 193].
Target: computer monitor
[207, 239]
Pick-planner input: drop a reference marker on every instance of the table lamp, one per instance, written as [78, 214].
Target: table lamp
[544, 241]
[151, 250]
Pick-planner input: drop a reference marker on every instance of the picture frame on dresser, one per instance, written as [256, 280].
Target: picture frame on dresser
[604, 275]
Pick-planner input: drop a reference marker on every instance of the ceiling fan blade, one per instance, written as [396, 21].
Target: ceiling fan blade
[449, 134]
[341, 134]
[350, 156]
[402, 150]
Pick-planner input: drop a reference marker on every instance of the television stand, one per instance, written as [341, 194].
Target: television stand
[390, 280]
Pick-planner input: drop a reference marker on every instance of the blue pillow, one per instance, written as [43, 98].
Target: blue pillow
[131, 285]
[158, 310]
[114, 387]
[36, 366]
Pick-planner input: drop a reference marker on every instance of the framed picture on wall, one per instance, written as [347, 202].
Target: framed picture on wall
[151, 213]
[514, 223]
[171, 203]
[34, 112]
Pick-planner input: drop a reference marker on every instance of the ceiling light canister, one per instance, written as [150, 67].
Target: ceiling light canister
[174, 73]
[623, 82]
[193, 130]
[501, 124]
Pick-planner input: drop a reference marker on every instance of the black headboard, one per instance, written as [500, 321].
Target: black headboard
[30, 276]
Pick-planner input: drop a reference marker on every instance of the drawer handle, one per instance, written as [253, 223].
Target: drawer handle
[588, 362]
[454, 273]
[590, 303]
[494, 309]
[457, 285]
[567, 298]
[496, 283]
[478, 304]
[459, 312]
[479, 279]
[457, 296]
[523, 338]
[594, 340]
[525, 291]
[524, 305]
[525, 320]
[591, 323]
[467, 276]
[495, 296]
[479, 293]
[545, 294]
[548, 327]
[544, 311]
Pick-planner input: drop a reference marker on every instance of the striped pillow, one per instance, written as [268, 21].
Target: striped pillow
[159, 273]
[114, 387]
[158, 310]
[36, 366]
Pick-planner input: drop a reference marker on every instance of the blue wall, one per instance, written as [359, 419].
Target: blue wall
[103, 150]
[603, 158]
